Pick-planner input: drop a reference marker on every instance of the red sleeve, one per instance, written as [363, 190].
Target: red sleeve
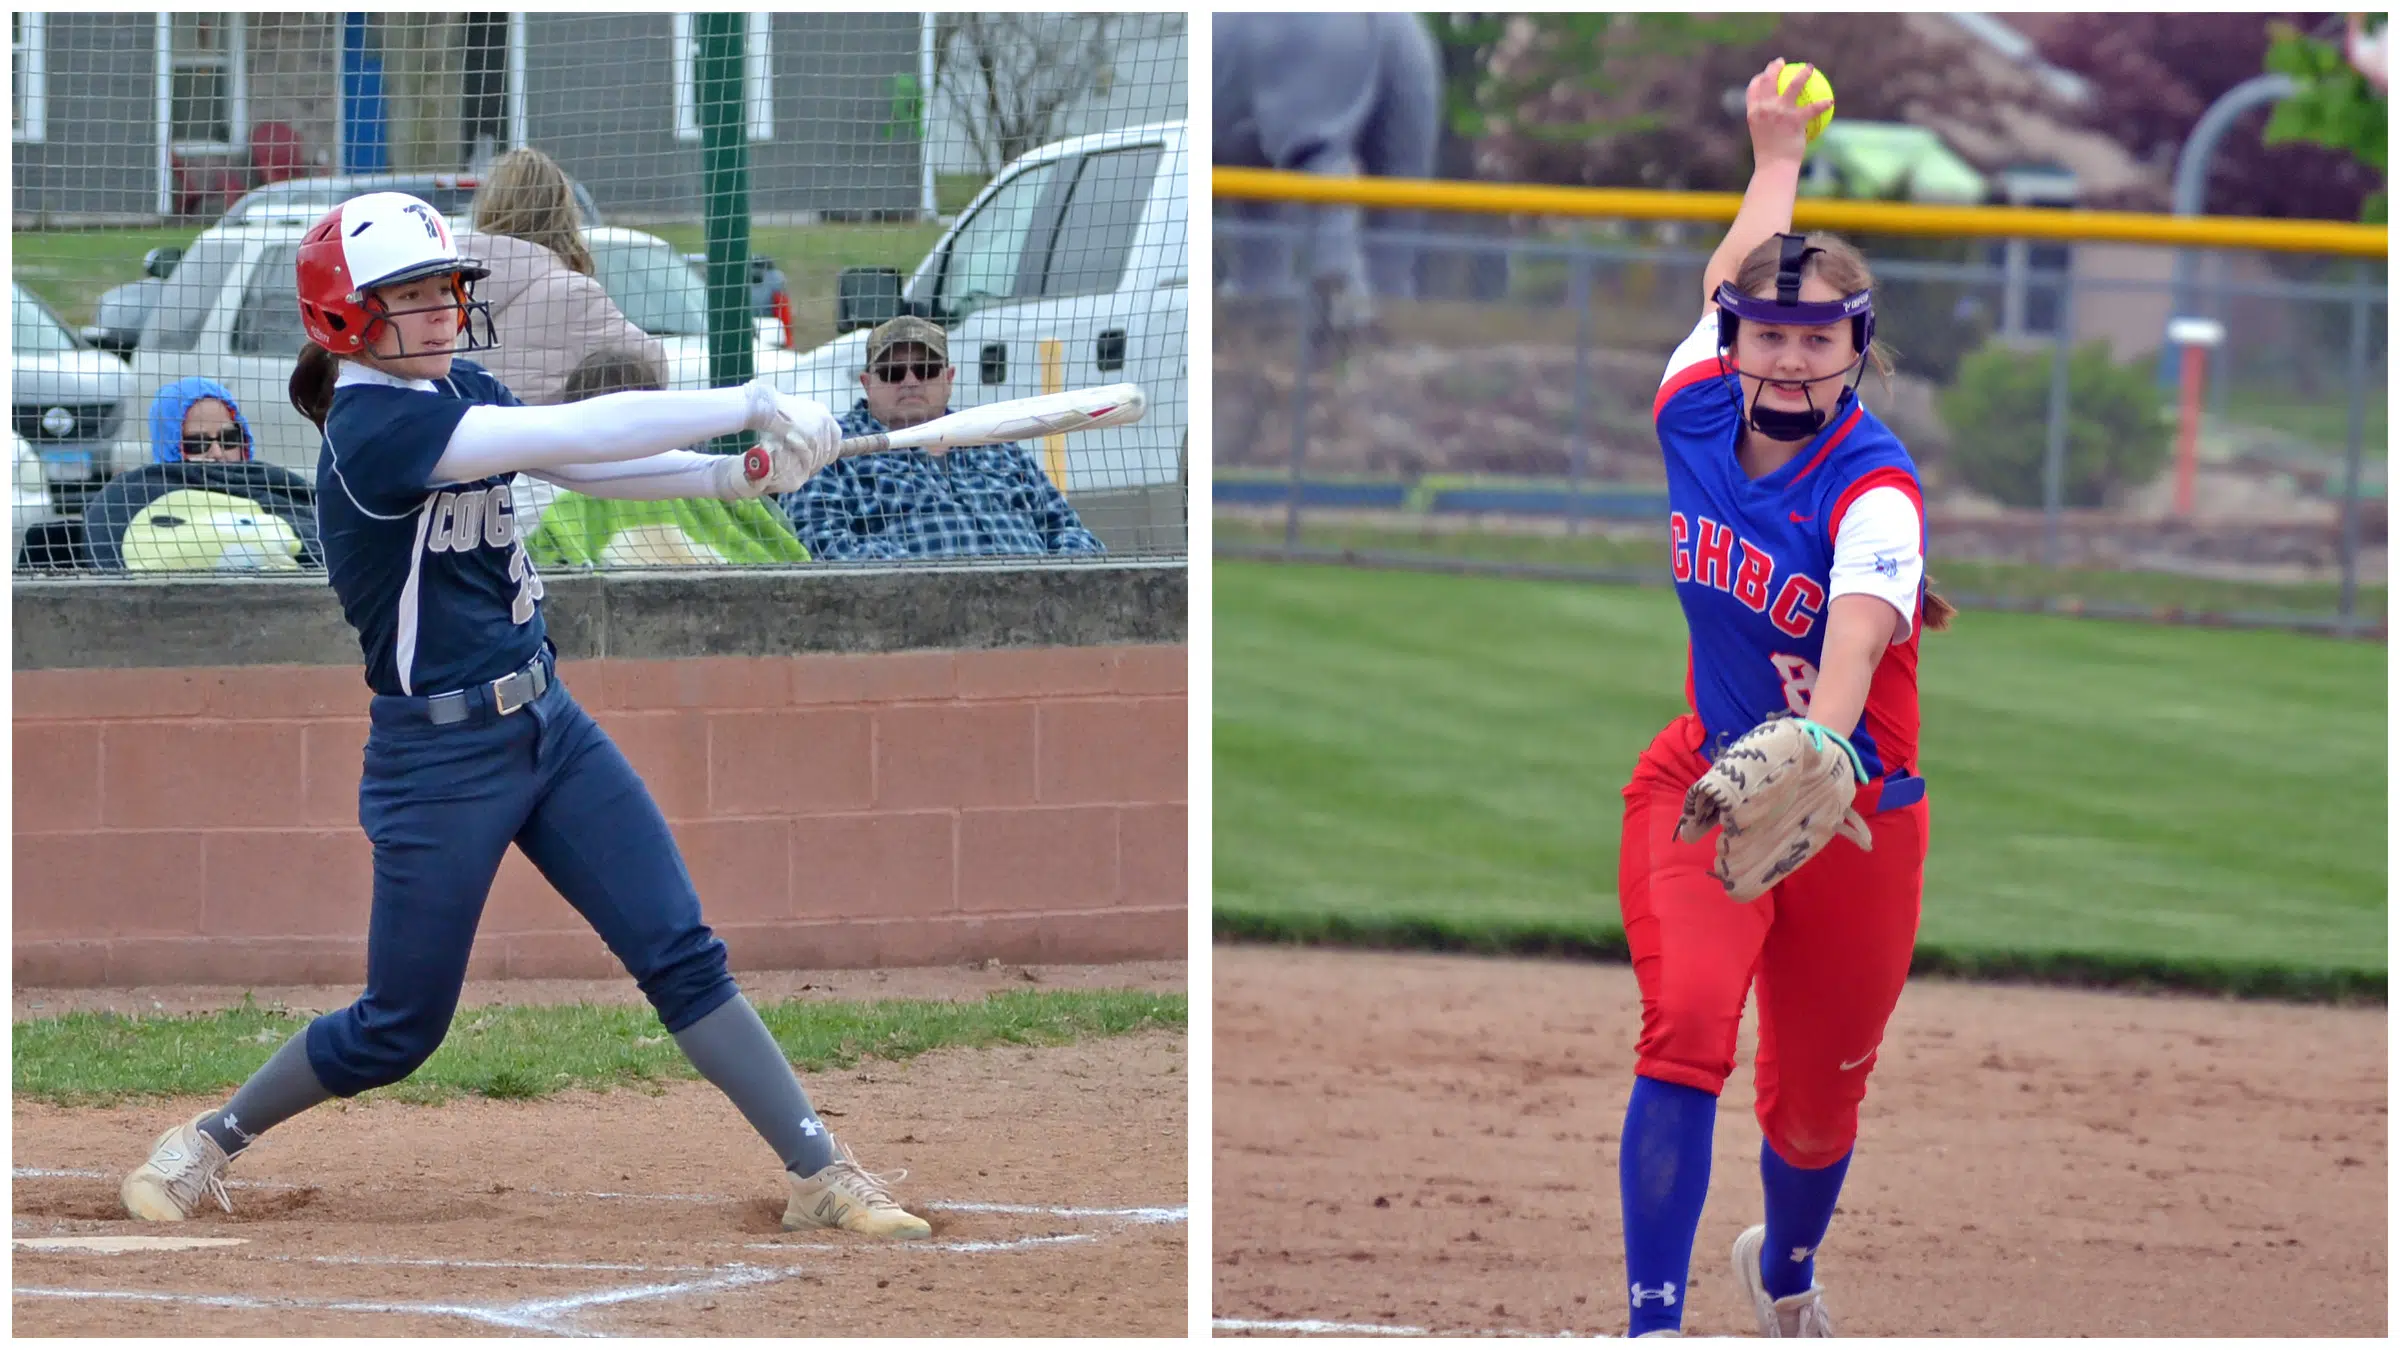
[1874, 478]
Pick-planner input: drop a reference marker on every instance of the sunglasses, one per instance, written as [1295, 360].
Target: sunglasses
[893, 372]
[229, 438]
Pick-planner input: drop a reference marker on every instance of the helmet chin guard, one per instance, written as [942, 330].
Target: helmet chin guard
[1788, 310]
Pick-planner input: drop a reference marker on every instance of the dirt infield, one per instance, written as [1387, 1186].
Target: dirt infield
[1428, 1143]
[1054, 1178]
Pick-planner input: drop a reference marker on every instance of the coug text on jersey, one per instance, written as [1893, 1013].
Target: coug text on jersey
[465, 518]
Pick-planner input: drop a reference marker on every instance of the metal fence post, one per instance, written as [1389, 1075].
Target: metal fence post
[2351, 453]
[725, 199]
[1579, 295]
[2054, 454]
[1302, 372]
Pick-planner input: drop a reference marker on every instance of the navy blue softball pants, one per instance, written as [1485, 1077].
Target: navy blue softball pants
[442, 804]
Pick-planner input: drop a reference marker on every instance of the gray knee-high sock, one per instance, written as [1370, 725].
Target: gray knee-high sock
[733, 1049]
[282, 1088]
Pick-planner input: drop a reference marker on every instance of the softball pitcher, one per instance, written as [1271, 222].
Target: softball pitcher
[1777, 832]
[474, 741]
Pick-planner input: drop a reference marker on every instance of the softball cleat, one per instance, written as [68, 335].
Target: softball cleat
[843, 1194]
[185, 1166]
[1801, 1314]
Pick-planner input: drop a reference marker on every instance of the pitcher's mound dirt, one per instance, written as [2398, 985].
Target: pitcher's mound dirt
[1430, 1142]
[1054, 1179]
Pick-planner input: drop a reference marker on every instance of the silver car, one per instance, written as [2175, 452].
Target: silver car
[65, 399]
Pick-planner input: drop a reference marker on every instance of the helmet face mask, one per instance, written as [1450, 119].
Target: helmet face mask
[373, 241]
[463, 303]
[1787, 309]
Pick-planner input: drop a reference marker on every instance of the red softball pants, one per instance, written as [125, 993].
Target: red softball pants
[1829, 949]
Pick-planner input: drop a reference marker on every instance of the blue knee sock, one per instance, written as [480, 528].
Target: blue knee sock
[1662, 1179]
[1799, 1210]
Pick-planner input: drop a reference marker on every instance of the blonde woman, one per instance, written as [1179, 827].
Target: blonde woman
[548, 311]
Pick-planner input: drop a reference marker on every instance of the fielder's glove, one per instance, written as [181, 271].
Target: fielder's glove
[1780, 794]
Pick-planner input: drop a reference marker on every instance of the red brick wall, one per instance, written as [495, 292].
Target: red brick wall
[201, 825]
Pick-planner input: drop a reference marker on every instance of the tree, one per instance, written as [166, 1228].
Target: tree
[1007, 78]
[1656, 89]
[2152, 77]
[2338, 106]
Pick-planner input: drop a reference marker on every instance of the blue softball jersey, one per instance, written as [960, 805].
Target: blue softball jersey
[1753, 558]
[433, 576]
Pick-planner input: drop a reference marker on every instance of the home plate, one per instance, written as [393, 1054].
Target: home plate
[122, 1243]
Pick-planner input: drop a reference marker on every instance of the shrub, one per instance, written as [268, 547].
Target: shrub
[1999, 410]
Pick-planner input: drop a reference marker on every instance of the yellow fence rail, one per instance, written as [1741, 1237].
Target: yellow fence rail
[2008, 222]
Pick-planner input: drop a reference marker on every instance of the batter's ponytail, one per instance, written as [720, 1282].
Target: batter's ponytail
[312, 382]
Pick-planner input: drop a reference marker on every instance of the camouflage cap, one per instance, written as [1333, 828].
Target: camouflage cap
[908, 328]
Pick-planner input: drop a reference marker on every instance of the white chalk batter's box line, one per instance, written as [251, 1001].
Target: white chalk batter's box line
[548, 1315]
[1137, 1214]
[544, 1315]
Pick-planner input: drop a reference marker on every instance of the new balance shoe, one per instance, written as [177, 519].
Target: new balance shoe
[843, 1194]
[1801, 1314]
[185, 1166]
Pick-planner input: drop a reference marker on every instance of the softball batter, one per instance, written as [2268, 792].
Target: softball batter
[475, 742]
[1777, 832]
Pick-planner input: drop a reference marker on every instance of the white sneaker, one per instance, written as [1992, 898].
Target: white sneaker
[185, 1165]
[843, 1194]
[1801, 1314]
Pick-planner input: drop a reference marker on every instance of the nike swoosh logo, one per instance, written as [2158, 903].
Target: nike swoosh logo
[1858, 1061]
[1798, 519]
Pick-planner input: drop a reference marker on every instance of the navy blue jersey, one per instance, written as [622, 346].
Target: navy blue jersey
[433, 576]
[1753, 558]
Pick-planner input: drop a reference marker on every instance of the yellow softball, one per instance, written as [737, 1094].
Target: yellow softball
[1817, 90]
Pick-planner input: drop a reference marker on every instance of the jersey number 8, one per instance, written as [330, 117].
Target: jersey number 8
[1799, 681]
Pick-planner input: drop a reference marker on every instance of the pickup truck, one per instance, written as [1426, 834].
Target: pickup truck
[228, 312]
[1070, 269]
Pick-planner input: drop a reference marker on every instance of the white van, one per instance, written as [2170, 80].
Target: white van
[1070, 269]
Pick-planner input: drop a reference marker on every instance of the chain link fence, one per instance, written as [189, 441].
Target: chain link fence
[745, 195]
[1492, 410]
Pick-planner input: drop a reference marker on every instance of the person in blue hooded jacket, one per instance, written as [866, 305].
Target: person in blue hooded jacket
[198, 419]
[202, 503]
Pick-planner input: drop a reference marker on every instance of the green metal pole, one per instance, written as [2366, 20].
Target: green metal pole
[725, 200]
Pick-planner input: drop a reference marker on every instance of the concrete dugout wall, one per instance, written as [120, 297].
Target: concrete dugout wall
[905, 767]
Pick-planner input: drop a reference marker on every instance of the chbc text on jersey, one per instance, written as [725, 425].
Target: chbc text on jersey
[465, 518]
[1708, 557]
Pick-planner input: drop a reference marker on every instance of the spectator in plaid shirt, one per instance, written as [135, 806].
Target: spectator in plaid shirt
[980, 501]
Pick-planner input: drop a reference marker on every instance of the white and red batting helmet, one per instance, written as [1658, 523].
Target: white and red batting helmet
[379, 239]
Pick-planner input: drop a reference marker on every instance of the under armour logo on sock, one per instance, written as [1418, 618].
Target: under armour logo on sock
[1665, 1294]
[811, 1128]
[233, 1126]
[1800, 1254]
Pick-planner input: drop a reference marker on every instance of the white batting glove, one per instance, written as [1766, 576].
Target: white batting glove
[803, 441]
[729, 479]
[766, 405]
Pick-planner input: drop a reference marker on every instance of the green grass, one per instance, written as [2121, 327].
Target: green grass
[1427, 760]
[2323, 419]
[952, 191]
[2065, 587]
[520, 1052]
[72, 268]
